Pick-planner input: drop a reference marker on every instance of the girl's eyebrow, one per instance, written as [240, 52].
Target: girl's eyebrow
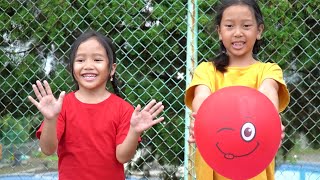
[81, 54]
[95, 54]
[229, 19]
[247, 20]
[98, 54]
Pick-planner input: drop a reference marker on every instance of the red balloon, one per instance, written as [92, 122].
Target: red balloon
[237, 132]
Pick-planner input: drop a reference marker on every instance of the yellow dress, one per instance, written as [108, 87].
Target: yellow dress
[250, 76]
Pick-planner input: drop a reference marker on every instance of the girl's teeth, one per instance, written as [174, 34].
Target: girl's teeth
[89, 76]
[238, 45]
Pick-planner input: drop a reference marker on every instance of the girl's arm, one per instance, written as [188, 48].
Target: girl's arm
[50, 108]
[127, 149]
[270, 88]
[48, 138]
[141, 120]
[201, 92]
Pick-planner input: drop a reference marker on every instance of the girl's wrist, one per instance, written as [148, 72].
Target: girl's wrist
[134, 133]
[51, 120]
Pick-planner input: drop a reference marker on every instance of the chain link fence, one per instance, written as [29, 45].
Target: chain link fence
[156, 43]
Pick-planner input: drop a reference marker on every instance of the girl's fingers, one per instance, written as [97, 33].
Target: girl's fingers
[61, 96]
[282, 129]
[157, 120]
[155, 107]
[192, 124]
[191, 130]
[47, 87]
[41, 89]
[191, 133]
[137, 109]
[149, 105]
[36, 92]
[191, 139]
[158, 111]
[33, 101]
[194, 115]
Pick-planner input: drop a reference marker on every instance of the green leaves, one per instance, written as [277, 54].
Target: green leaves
[13, 131]
[151, 40]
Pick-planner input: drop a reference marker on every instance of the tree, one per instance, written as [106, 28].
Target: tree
[150, 41]
[150, 37]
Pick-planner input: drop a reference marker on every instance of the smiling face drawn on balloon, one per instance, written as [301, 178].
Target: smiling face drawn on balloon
[238, 132]
[247, 133]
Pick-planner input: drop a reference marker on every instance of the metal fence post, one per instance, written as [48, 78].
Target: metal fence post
[191, 64]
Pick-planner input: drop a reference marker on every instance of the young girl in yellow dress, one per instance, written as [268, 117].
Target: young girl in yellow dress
[240, 25]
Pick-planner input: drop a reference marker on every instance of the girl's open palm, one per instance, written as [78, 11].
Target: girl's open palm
[142, 120]
[48, 105]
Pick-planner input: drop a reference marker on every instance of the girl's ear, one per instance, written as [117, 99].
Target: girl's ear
[260, 30]
[113, 69]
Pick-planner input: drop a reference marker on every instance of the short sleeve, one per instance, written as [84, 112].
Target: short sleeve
[273, 71]
[124, 123]
[200, 76]
[39, 131]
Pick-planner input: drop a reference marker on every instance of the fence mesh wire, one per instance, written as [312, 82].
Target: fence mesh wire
[151, 42]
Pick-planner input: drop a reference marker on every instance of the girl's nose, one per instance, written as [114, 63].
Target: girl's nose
[88, 64]
[238, 32]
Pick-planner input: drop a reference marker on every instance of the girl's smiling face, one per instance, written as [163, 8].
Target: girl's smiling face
[91, 65]
[239, 31]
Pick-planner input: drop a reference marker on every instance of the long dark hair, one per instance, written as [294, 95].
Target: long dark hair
[222, 60]
[110, 51]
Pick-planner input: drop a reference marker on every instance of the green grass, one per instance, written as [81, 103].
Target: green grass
[52, 158]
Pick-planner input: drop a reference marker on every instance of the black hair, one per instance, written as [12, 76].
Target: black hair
[110, 51]
[222, 60]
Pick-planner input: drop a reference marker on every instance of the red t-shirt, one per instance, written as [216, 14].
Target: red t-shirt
[88, 135]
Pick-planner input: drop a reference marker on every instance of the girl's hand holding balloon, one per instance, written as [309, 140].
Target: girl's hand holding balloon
[282, 134]
[191, 129]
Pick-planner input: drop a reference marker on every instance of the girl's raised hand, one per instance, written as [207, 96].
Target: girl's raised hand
[48, 105]
[142, 120]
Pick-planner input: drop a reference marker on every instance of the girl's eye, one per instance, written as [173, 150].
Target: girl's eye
[247, 25]
[98, 60]
[248, 131]
[228, 25]
[79, 60]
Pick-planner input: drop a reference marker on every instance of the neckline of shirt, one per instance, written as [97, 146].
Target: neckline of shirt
[89, 104]
[244, 67]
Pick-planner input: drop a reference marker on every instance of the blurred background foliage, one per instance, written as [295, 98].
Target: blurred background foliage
[150, 38]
